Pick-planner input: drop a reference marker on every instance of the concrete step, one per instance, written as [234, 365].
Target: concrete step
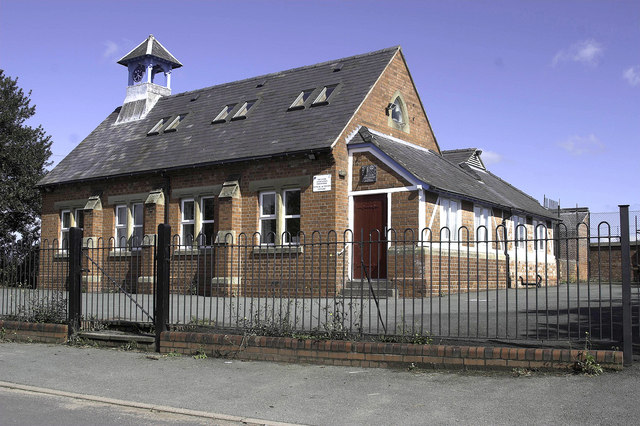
[115, 338]
[357, 294]
[357, 289]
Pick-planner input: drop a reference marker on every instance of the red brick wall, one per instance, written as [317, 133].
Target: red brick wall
[606, 262]
[386, 177]
[34, 332]
[377, 354]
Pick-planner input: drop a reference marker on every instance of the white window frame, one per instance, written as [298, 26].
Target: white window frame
[135, 225]
[295, 238]
[449, 209]
[76, 214]
[120, 226]
[273, 216]
[184, 221]
[519, 232]
[540, 236]
[204, 221]
[64, 230]
[482, 217]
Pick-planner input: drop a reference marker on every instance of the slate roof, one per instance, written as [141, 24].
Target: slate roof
[150, 47]
[572, 217]
[269, 129]
[444, 176]
[471, 156]
[457, 156]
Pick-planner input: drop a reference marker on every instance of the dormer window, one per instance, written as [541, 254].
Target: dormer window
[156, 129]
[222, 116]
[325, 94]
[174, 123]
[301, 99]
[244, 110]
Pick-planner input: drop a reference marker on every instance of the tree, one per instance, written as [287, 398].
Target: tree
[24, 156]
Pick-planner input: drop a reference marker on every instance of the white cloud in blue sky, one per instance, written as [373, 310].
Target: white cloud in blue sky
[586, 52]
[632, 75]
[110, 48]
[582, 145]
[490, 157]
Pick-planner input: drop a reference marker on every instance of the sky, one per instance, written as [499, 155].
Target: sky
[549, 90]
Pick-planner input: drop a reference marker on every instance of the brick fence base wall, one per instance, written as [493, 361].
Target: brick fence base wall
[374, 354]
[33, 332]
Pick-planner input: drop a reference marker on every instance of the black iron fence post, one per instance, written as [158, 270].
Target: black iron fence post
[75, 279]
[161, 314]
[625, 255]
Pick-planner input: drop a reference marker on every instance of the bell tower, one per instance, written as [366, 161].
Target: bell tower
[146, 63]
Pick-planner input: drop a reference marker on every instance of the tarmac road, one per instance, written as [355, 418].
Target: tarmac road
[313, 394]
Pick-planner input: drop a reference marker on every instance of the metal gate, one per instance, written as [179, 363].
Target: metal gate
[116, 283]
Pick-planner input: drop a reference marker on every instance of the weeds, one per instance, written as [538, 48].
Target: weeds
[521, 372]
[588, 364]
[42, 309]
[200, 354]
[76, 340]
[131, 345]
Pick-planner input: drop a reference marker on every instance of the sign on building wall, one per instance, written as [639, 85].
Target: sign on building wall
[368, 174]
[321, 183]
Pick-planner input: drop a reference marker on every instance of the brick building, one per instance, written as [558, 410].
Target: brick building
[266, 161]
[572, 249]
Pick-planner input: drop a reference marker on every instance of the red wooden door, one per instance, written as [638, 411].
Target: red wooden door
[369, 236]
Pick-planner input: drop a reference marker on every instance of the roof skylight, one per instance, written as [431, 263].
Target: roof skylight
[222, 115]
[156, 129]
[244, 110]
[325, 94]
[301, 99]
[174, 123]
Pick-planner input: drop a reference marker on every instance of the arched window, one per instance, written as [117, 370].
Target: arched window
[396, 111]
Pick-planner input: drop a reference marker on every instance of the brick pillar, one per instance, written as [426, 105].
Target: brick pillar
[95, 244]
[226, 279]
[154, 207]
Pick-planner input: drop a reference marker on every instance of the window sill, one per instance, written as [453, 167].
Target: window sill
[61, 254]
[184, 251]
[124, 253]
[290, 249]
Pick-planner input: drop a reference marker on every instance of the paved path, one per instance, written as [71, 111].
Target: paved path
[325, 395]
[551, 314]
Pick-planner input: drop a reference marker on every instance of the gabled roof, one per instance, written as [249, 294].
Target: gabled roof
[443, 176]
[270, 127]
[150, 47]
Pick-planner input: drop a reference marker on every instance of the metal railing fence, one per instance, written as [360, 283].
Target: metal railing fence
[393, 284]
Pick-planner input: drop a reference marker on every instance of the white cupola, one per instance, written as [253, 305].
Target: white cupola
[144, 64]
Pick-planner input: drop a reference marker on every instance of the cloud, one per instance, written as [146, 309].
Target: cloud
[490, 157]
[110, 48]
[632, 75]
[587, 52]
[581, 145]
